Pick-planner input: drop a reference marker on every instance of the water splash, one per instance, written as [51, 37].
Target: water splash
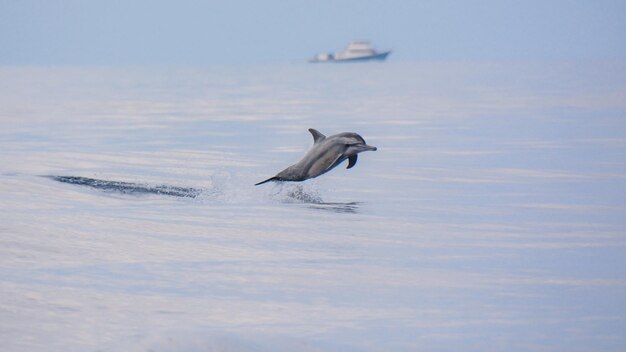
[289, 192]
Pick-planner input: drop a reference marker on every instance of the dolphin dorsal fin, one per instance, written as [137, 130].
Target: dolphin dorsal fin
[317, 135]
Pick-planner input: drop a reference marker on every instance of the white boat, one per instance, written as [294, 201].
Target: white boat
[355, 51]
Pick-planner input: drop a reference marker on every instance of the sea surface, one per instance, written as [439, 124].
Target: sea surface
[491, 218]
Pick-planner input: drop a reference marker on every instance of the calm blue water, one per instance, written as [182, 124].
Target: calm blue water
[492, 216]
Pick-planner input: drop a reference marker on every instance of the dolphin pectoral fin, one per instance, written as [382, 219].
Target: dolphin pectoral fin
[268, 180]
[352, 161]
[317, 135]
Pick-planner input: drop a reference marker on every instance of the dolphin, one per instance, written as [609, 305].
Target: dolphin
[326, 153]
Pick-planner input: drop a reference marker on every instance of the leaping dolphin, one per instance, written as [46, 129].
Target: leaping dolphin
[326, 153]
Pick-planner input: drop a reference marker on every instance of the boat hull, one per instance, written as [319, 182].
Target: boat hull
[376, 57]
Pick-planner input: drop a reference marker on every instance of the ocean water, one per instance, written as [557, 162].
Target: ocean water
[491, 218]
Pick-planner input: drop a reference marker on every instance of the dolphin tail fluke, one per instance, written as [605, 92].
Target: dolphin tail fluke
[268, 180]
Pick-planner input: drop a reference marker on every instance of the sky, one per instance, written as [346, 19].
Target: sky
[153, 32]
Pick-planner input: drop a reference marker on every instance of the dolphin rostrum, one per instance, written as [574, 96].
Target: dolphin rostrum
[326, 153]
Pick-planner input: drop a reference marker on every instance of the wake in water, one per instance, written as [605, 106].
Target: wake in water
[128, 187]
[288, 193]
[300, 194]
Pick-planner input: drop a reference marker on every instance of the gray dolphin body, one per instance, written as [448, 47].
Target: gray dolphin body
[326, 153]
